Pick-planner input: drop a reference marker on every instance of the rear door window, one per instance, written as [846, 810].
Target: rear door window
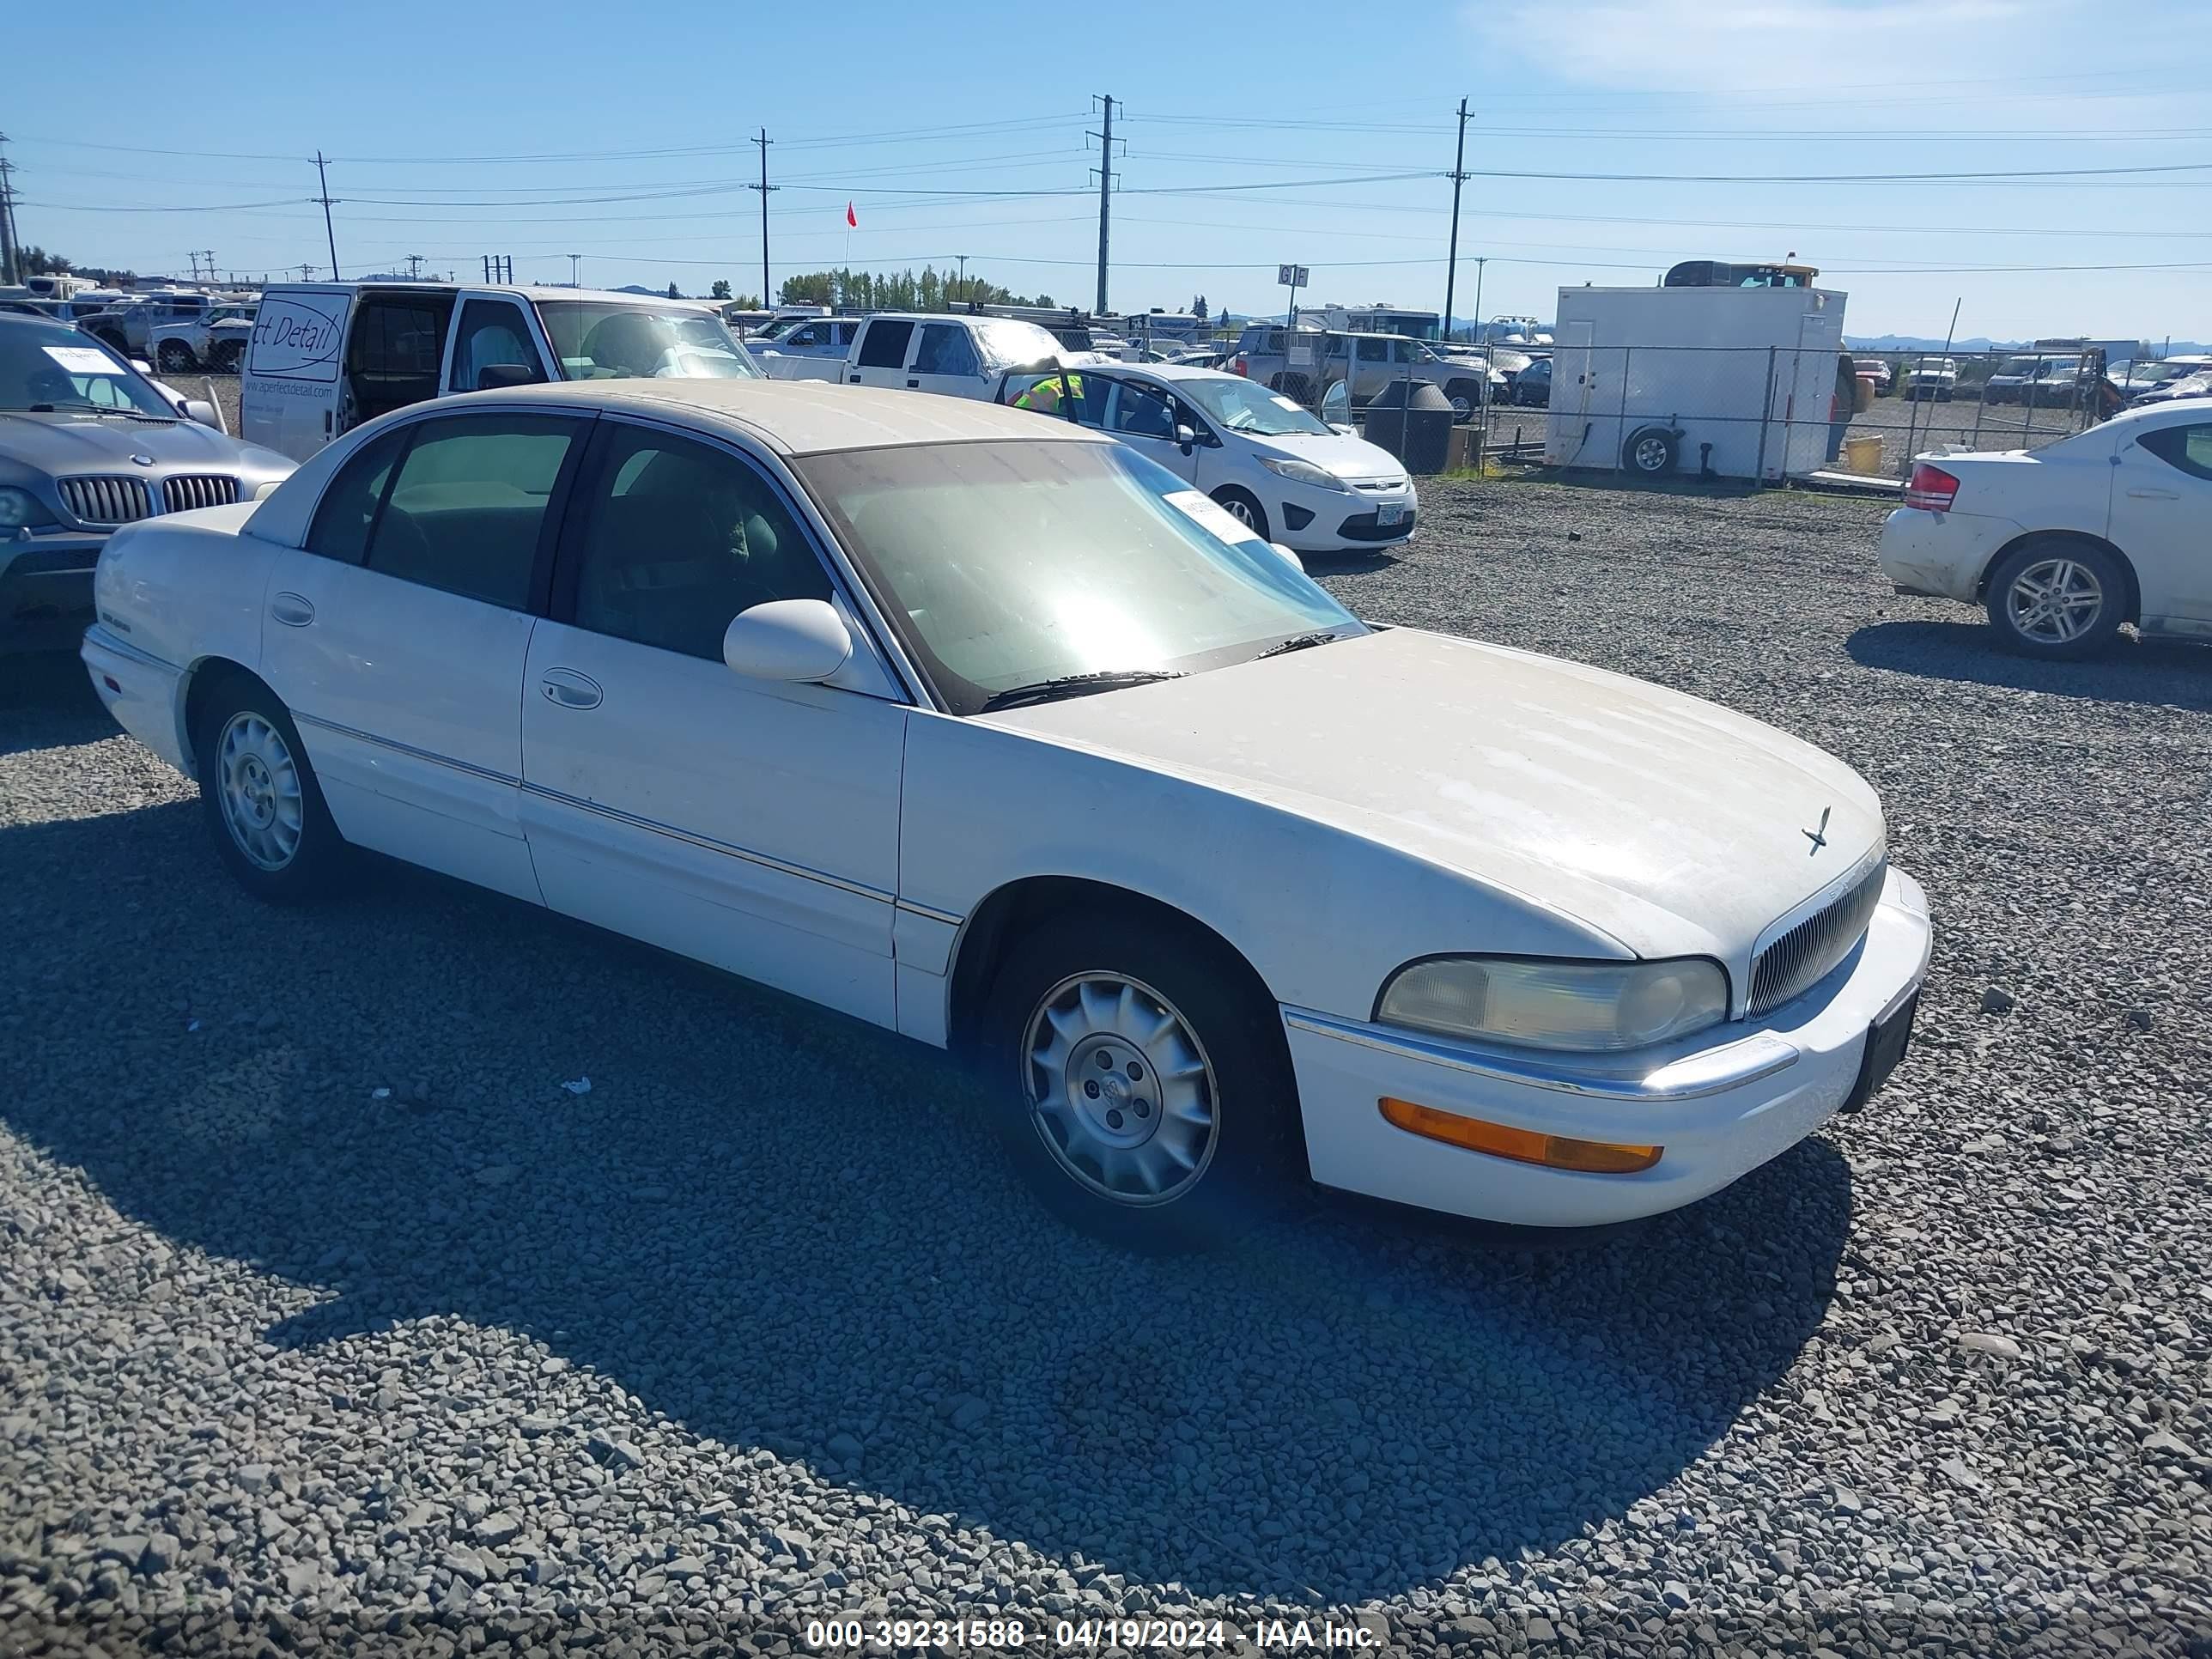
[883, 346]
[467, 510]
[946, 348]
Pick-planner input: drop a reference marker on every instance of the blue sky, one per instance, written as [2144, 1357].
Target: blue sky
[1290, 131]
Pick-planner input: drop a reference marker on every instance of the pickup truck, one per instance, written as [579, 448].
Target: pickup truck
[128, 327]
[214, 339]
[1303, 363]
[791, 352]
[956, 357]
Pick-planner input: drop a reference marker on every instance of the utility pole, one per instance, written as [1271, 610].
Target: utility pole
[11, 269]
[1451, 260]
[307, 272]
[964, 272]
[414, 265]
[1105, 138]
[324, 176]
[575, 267]
[763, 187]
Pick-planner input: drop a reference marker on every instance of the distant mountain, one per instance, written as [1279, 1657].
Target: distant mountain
[1982, 344]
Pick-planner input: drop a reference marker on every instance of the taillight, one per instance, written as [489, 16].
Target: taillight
[1237, 367]
[1931, 488]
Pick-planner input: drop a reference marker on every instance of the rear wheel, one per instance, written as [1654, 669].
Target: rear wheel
[223, 356]
[176, 357]
[263, 804]
[1244, 508]
[1649, 452]
[1465, 397]
[2056, 597]
[1151, 1099]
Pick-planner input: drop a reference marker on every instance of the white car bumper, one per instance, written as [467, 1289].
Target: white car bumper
[141, 691]
[1307, 518]
[1941, 555]
[1751, 1091]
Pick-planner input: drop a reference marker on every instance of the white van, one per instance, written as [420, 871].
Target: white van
[326, 357]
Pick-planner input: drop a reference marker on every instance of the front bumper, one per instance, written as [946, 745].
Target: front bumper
[45, 586]
[1941, 555]
[143, 692]
[1721, 1104]
[1308, 520]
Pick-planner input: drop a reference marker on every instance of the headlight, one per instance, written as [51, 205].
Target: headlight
[263, 491]
[19, 508]
[1305, 472]
[1584, 1005]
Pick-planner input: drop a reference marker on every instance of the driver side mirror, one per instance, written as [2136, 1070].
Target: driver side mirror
[1186, 439]
[200, 409]
[497, 377]
[794, 640]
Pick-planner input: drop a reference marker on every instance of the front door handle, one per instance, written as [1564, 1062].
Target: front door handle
[291, 609]
[912, 385]
[570, 689]
[2156, 494]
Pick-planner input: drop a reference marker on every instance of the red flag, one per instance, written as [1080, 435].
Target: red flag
[850, 218]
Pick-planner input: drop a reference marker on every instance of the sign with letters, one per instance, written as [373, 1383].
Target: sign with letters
[298, 336]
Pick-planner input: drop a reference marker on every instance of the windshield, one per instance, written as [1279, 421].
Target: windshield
[604, 340]
[1009, 563]
[2160, 373]
[1245, 406]
[1005, 344]
[43, 368]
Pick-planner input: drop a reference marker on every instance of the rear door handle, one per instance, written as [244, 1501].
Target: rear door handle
[570, 689]
[2156, 494]
[855, 379]
[291, 609]
[913, 385]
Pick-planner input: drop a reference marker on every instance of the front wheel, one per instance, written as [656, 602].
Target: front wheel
[1142, 1083]
[2055, 597]
[176, 357]
[1465, 398]
[1649, 452]
[263, 804]
[1244, 508]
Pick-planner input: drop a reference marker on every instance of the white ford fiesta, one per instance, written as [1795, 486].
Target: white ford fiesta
[991, 730]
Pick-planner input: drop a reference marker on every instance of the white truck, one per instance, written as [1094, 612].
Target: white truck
[955, 355]
[214, 339]
[1713, 382]
[327, 357]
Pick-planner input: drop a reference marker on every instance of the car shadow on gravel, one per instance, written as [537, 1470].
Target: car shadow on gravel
[47, 701]
[779, 1227]
[2170, 673]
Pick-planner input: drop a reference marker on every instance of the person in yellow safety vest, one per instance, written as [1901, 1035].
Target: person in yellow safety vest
[1053, 395]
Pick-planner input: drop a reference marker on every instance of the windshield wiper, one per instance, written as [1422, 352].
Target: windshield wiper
[1298, 642]
[1075, 685]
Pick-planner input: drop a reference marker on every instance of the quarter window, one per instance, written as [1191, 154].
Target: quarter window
[464, 513]
[679, 539]
[2186, 447]
[883, 346]
[347, 511]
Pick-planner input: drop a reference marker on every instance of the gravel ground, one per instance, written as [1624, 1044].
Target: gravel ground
[329, 1319]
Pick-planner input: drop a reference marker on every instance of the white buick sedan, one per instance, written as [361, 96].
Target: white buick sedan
[986, 729]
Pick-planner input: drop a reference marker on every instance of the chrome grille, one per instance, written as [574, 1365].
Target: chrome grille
[181, 494]
[1808, 952]
[106, 500]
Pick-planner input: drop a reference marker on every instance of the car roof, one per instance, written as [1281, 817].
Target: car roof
[807, 417]
[1175, 372]
[42, 320]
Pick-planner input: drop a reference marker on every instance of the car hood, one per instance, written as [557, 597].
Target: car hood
[1668, 823]
[63, 444]
[1340, 456]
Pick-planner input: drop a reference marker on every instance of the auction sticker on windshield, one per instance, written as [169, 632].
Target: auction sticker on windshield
[82, 360]
[1210, 516]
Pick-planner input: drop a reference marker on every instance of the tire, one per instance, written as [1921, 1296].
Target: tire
[1649, 452]
[2056, 597]
[224, 355]
[175, 357]
[252, 763]
[1465, 397]
[1243, 506]
[1075, 1011]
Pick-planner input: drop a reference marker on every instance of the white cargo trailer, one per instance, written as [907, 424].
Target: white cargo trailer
[1733, 382]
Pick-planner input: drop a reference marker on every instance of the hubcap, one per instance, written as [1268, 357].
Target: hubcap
[1119, 1090]
[1239, 509]
[1651, 455]
[262, 804]
[2055, 601]
[1462, 406]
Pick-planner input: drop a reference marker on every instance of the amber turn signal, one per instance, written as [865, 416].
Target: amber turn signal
[1523, 1145]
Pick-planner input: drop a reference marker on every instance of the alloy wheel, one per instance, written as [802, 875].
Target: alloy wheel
[264, 805]
[1119, 1089]
[2055, 601]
